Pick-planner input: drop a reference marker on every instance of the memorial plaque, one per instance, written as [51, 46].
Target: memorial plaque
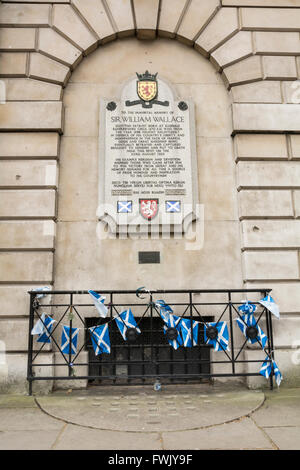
[147, 157]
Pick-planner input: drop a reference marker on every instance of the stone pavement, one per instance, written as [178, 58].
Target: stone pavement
[178, 417]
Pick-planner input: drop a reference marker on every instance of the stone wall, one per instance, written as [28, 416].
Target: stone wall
[254, 47]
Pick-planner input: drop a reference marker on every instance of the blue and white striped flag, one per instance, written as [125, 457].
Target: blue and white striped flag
[126, 320]
[164, 310]
[100, 339]
[99, 303]
[39, 325]
[44, 337]
[221, 343]
[247, 307]
[266, 370]
[172, 322]
[186, 332]
[65, 340]
[249, 320]
[271, 305]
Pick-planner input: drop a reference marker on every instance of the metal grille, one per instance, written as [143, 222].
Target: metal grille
[150, 357]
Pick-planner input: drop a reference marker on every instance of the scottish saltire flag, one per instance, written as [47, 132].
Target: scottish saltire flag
[173, 206]
[186, 332]
[124, 207]
[100, 339]
[249, 320]
[39, 326]
[271, 305]
[44, 337]
[44, 292]
[126, 320]
[99, 303]
[221, 343]
[173, 323]
[247, 307]
[266, 370]
[164, 310]
[65, 340]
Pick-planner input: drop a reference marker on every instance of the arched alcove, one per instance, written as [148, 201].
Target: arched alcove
[82, 260]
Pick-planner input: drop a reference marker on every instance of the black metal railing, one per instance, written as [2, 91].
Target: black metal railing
[150, 356]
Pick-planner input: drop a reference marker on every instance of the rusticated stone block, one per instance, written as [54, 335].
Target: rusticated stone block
[244, 71]
[58, 48]
[265, 203]
[257, 92]
[196, 17]
[271, 234]
[171, 14]
[33, 115]
[260, 3]
[24, 15]
[236, 48]
[26, 144]
[95, 15]
[15, 300]
[266, 117]
[68, 23]
[284, 43]
[261, 146]
[27, 173]
[286, 294]
[122, 16]
[271, 265]
[279, 68]
[146, 15]
[295, 146]
[221, 27]
[27, 203]
[281, 19]
[23, 235]
[18, 89]
[44, 68]
[17, 39]
[26, 266]
[13, 64]
[268, 174]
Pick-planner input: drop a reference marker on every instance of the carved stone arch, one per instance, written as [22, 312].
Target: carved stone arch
[253, 44]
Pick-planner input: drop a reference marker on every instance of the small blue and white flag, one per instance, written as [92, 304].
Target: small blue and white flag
[266, 370]
[124, 207]
[39, 326]
[99, 303]
[247, 307]
[100, 339]
[173, 206]
[44, 291]
[186, 332]
[164, 310]
[65, 340]
[221, 342]
[126, 320]
[271, 305]
[173, 323]
[44, 337]
[248, 320]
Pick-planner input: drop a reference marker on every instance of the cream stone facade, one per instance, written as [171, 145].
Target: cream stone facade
[239, 61]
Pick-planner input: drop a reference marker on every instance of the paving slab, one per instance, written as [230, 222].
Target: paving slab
[231, 436]
[285, 438]
[33, 440]
[281, 408]
[77, 438]
[17, 401]
[141, 409]
[27, 419]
